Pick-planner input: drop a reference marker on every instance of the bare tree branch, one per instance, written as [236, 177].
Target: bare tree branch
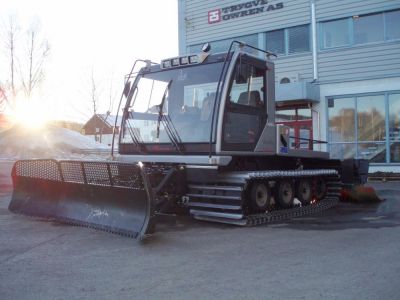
[10, 35]
[94, 94]
[37, 52]
[26, 64]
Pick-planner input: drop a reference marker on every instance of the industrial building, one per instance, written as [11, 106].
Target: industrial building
[337, 70]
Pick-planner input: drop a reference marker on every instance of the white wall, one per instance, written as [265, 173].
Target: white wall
[106, 139]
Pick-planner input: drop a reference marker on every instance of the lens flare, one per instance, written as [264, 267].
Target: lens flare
[31, 114]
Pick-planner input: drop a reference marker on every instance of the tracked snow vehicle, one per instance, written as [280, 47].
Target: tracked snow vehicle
[198, 136]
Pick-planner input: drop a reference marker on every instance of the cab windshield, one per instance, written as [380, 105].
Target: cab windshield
[173, 105]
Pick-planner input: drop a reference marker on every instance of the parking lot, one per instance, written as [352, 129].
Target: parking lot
[348, 252]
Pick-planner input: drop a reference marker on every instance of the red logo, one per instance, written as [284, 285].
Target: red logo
[214, 16]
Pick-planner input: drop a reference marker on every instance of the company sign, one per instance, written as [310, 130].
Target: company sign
[241, 10]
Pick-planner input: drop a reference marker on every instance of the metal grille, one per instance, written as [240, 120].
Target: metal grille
[41, 169]
[96, 173]
[72, 171]
[126, 175]
[84, 172]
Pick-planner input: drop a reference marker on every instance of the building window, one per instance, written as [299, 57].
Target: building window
[362, 29]
[394, 127]
[368, 29]
[276, 41]
[335, 33]
[342, 120]
[366, 126]
[289, 40]
[371, 128]
[223, 45]
[392, 21]
[298, 39]
[371, 118]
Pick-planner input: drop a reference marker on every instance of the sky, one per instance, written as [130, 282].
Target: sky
[85, 35]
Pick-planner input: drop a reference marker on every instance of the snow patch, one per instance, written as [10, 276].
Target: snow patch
[20, 142]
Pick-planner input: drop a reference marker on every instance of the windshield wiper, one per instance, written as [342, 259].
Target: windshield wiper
[134, 134]
[172, 133]
[170, 129]
[161, 107]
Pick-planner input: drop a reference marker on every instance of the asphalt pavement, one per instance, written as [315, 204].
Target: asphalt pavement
[347, 252]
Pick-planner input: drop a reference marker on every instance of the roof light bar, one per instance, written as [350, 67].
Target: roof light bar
[183, 60]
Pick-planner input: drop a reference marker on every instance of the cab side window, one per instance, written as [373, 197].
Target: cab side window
[245, 111]
[247, 87]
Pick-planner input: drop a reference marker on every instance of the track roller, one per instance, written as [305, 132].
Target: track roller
[284, 193]
[304, 191]
[260, 196]
[320, 188]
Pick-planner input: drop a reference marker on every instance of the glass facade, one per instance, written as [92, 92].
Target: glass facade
[394, 127]
[359, 30]
[365, 126]
[371, 118]
[342, 120]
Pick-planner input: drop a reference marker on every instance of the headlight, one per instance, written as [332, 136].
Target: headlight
[193, 59]
[184, 60]
[166, 64]
[175, 62]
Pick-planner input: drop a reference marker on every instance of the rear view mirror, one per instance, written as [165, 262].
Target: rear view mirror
[127, 88]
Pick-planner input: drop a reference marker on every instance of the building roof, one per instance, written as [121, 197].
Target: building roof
[104, 121]
[110, 119]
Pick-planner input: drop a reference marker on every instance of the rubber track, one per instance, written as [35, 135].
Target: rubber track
[331, 199]
[284, 214]
[281, 215]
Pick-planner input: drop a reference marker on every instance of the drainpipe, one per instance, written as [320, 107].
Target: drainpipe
[182, 26]
[314, 40]
[315, 66]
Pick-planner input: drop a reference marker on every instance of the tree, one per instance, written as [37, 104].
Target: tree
[94, 92]
[36, 54]
[26, 55]
[94, 96]
[10, 34]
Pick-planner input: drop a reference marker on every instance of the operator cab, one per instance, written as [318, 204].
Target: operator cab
[198, 104]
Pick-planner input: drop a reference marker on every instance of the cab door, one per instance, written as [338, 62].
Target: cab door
[245, 108]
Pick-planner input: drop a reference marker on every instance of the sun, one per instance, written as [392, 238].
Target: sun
[31, 114]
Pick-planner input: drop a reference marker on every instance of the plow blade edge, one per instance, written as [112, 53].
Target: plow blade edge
[103, 195]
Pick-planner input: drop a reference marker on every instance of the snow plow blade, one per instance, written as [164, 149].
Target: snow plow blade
[108, 196]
